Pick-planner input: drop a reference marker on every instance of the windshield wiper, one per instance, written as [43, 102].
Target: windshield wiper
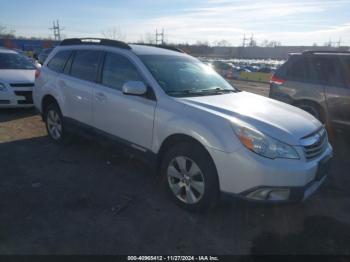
[218, 90]
[201, 92]
[184, 92]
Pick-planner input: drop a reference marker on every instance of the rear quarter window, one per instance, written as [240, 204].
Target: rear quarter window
[299, 70]
[58, 62]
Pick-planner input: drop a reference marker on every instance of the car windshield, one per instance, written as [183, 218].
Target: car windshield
[185, 76]
[14, 61]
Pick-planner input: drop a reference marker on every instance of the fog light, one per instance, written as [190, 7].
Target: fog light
[279, 194]
[273, 194]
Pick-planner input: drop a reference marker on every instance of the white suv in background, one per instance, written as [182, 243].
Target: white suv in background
[205, 136]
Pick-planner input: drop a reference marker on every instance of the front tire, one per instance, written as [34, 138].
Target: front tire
[190, 177]
[55, 125]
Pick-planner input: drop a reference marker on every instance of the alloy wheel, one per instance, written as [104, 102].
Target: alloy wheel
[54, 124]
[186, 180]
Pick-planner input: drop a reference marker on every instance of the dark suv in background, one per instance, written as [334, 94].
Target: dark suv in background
[317, 82]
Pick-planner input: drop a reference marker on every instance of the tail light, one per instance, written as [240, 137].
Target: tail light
[276, 80]
[37, 73]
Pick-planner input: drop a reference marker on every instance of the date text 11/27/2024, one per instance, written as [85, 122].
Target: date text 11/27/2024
[173, 258]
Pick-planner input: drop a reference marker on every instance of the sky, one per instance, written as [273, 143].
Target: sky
[185, 21]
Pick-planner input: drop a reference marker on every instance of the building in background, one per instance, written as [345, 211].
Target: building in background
[27, 45]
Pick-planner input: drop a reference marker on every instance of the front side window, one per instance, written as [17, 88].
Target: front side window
[185, 76]
[15, 61]
[58, 62]
[118, 70]
[85, 65]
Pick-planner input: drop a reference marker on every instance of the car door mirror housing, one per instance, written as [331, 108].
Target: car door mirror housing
[136, 88]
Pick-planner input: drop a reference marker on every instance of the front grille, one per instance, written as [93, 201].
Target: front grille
[27, 95]
[22, 85]
[5, 102]
[315, 144]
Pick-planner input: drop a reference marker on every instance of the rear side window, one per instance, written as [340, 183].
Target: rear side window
[85, 65]
[118, 70]
[299, 70]
[58, 62]
[328, 70]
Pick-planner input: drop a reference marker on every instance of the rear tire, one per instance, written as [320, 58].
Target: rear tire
[55, 125]
[190, 177]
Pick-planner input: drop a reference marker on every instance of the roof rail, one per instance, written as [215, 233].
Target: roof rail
[168, 47]
[310, 52]
[94, 41]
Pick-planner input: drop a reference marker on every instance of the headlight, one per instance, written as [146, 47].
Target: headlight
[2, 88]
[264, 145]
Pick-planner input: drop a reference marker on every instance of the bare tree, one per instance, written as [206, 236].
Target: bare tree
[147, 38]
[5, 33]
[224, 43]
[202, 43]
[114, 33]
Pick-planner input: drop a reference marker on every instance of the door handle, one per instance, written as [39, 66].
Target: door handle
[101, 96]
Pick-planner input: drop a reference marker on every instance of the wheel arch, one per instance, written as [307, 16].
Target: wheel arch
[315, 105]
[46, 101]
[174, 139]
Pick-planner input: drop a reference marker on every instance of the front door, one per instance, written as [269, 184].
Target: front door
[129, 118]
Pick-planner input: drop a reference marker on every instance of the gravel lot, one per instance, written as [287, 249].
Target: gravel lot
[86, 198]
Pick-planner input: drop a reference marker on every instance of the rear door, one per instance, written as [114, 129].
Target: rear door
[77, 85]
[333, 74]
[127, 117]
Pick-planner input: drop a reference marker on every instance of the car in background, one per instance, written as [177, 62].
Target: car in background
[30, 59]
[223, 69]
[36, 53]
[43, 55]
[266, 70]
[17, 75]
[317, 82]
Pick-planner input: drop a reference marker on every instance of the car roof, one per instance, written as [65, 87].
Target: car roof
[321, 53]
[138, 49]
[7, 51]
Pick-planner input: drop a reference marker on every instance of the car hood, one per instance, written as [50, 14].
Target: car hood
[17, 76]
[276, 119]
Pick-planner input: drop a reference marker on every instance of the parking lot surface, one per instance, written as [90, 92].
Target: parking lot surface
[87, 198]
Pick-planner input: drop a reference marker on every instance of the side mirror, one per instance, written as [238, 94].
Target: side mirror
[136, 88]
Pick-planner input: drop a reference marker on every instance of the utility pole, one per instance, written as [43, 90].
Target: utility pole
[160, 37]
[56, 30]
[244, 41]
[339, 42]
[251, 41]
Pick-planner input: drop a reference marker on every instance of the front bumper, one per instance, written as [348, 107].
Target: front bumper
[16, 97]
[250, 176]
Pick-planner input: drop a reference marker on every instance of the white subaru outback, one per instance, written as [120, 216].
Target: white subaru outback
[206, 137]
